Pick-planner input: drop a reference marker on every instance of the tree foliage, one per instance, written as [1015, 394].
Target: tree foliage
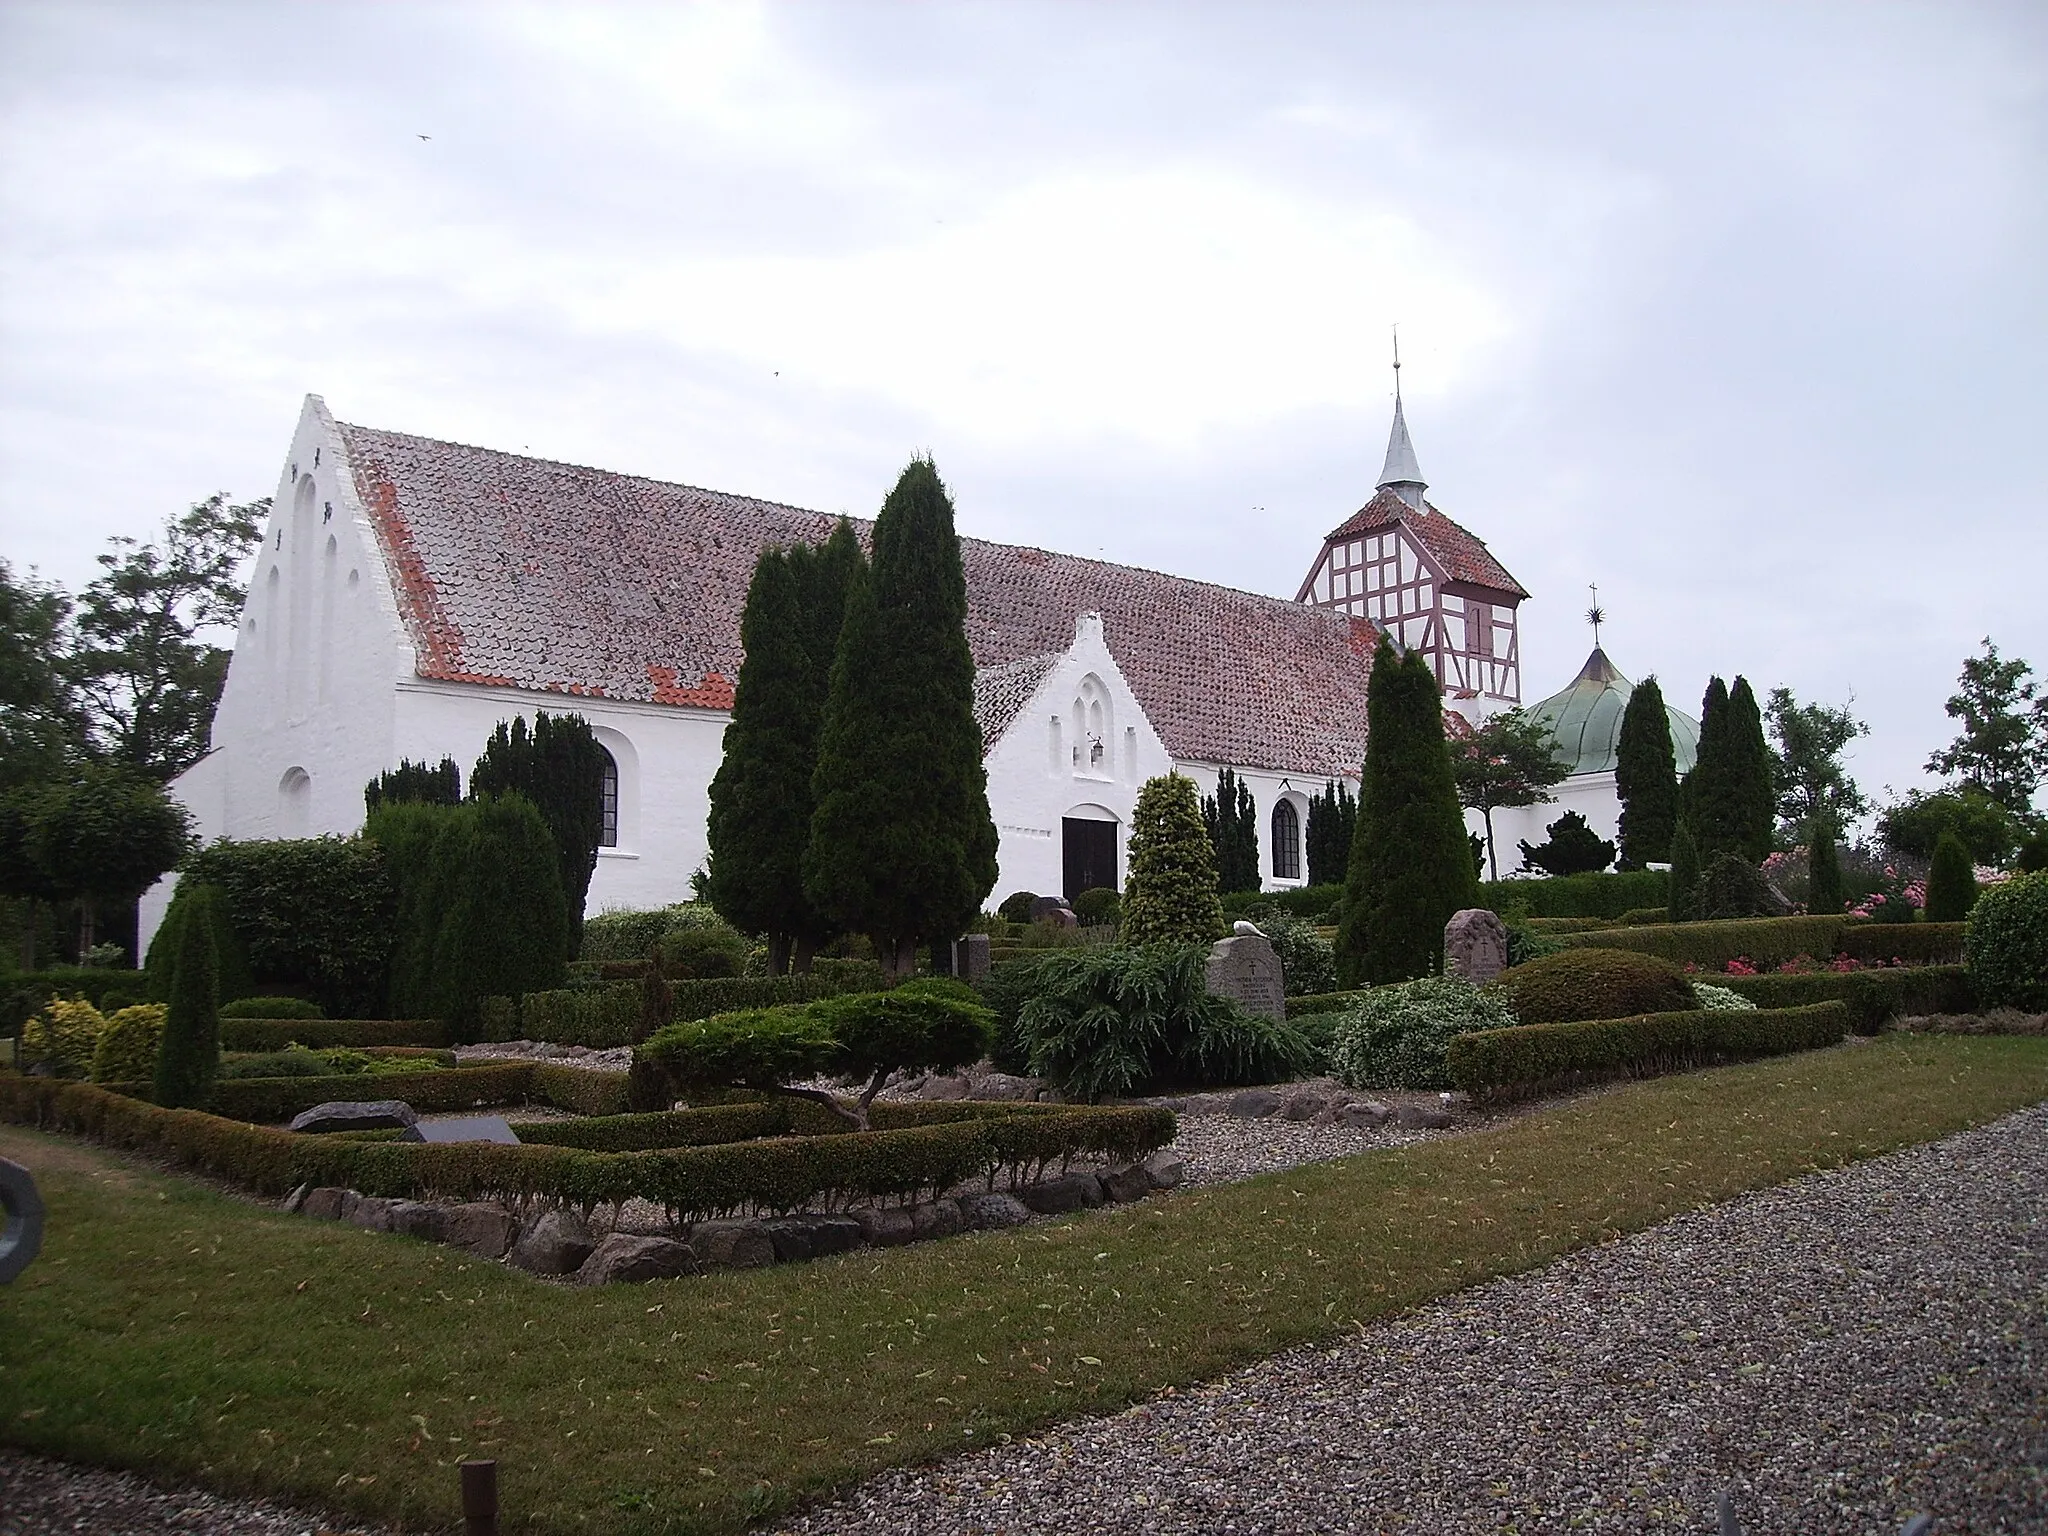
[1685, 873]
[1170, 895]
[188, 1057]
[1914, 826]
[41, 729]
[105, 835]
[315, 912]
[1728, 799]
[557, 768]
[1951, 881]
[1332, 820]
[1411, 865]
[410, 781]
[1646, 778]
[1508, 761]
[761, 796]
[1572, 848]
[1807, 765]
[902, 845]
[1232, 821]
[2003, 749]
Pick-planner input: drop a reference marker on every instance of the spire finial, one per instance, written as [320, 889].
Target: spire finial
[1397, 364]
[1399, 473]
[1595, 615]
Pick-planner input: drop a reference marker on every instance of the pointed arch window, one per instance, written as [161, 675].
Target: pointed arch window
[1286, 841]
[608, 828]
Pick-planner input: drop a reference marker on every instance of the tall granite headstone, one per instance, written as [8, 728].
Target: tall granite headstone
[1247, 971]
[1475, 945]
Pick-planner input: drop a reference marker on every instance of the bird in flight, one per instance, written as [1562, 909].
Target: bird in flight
[424, 137]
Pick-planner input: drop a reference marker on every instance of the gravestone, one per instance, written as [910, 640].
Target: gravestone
[470, 1128]
[369, 1115]
[1053, 909]
[1247, 971]
[971, 958]
[1475, 945]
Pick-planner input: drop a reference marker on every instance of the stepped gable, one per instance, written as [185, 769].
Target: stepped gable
[522, 572]
[1002, 690]
[1462, 554]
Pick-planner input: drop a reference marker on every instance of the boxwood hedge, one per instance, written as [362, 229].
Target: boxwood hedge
[318, 1034]
[1873, 997]
[1530, 1058]
[1770, 941]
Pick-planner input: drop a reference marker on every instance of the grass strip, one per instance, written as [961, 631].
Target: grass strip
[171, 1329]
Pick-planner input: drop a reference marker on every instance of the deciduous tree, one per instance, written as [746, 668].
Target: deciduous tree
[1811, 780]
[2003, 748]
[1508, 761]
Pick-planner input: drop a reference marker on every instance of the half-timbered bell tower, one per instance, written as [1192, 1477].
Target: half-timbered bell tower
[1427, 582]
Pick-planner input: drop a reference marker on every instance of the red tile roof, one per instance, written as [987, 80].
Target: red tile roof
[1462, 554]
[525, 573]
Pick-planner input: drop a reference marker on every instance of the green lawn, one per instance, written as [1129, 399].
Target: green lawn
[169, 1328]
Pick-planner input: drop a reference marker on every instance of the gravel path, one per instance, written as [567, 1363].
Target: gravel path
[39, 1497]
[1841, 1352]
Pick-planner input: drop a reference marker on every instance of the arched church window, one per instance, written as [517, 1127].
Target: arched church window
[1286, 841]
[608, 832]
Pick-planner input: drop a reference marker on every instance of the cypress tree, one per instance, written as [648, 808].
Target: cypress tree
[1411, 861]
[188, 1057]
[1332, 820]
[411, 781]
[1685, 872]
[1754, 767]
[1232, 822]
[1646, 778]
[410, 834]
[1170, 893]
[761, 795]
[504, 928]
[902, 845]
[1824, 870]
[1951, 881]
[1709, 797]
[558, 768]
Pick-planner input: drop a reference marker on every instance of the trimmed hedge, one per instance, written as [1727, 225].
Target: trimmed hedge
[1555, 925]
[599, 1017]
[23, 993]
[1322, 1002]
[688, 1182]
[319, 1034]
[1602, 894]
[1873, 997]
[271, 1008]
[1770, 941]
[1509, 1063]
[1576, 984]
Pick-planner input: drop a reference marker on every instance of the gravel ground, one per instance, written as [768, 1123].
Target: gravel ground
[1840, 1352]
[39, 1497]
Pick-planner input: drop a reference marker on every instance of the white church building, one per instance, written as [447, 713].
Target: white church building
[411, 594]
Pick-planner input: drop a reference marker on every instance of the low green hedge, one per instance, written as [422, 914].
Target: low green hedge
[319, 1034]
[1510, 1063]
[754, 1117]
[599, 1017]
[1604, 894]
[272, 1099]
[1321, 1002]
[1557, 925]
[276, 1007]
[693, 1182]
[1771, 941]
[1873, 997]
[23, 993]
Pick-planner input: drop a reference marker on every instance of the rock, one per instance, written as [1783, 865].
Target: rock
[1077, 1191]
[490, 1128]
[1001, 1085]
[971, 957]
[1253, 1104]
[1422, 1117]
[1303, 1106]
[981, 1212]
[479, 1227]
[935, 1218]
[1166, 1168]
[295, 1200]
[375, 1115]
[1362, 1114]
[370, 1213]
[1053, 909]
[625, 1258]
[418, 1218]
[944, 1088]
[1246, 970]
[731, 1245]
[810, 1237]
[1124, 1185]
[1475, 945]
[556, 1243]
[885, 1228]
[323, 1204]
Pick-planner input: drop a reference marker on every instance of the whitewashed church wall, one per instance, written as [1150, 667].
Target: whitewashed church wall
[1042, 771]
[1590, 794]
[1268, 788]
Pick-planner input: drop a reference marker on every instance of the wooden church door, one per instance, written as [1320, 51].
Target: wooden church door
[1090, 855]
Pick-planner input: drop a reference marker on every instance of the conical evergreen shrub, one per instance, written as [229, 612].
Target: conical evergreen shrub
[1170, 893]
[1824, 871]
[1232, 822]
[1646, 778]
[1685, 873]
[415, 781]
[188, 1058]
[902, 845]
[1951, 881]
[1411, 861]
[505, 928]
[1332, 821]
[558, 768]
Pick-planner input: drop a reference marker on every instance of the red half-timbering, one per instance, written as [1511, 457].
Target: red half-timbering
[1431, 585]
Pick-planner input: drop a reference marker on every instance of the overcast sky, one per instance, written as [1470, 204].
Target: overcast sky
[1739, 311]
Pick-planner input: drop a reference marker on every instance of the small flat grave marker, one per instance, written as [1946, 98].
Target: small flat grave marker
[470, 1128]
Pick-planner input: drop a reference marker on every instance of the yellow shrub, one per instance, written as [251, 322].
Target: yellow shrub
[63, 1036]
[126, 1052]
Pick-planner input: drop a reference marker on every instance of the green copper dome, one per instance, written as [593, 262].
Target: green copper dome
[1585, 720]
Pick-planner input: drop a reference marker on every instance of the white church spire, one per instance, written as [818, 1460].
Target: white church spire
[1401, 474]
